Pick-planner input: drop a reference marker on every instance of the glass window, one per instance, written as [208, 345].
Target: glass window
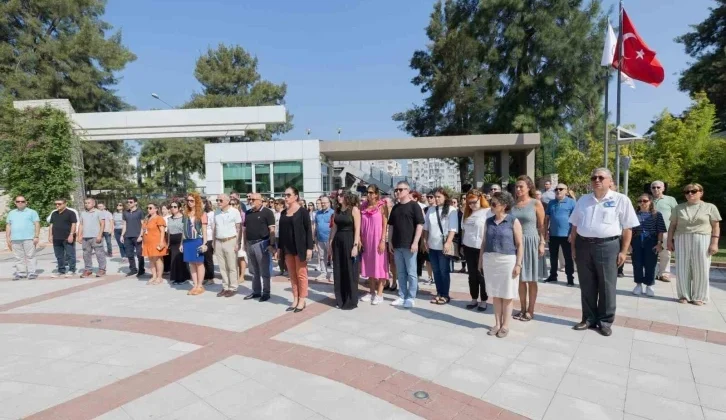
[262, 178]
[237, 177]
[288, 174]
[325, 178]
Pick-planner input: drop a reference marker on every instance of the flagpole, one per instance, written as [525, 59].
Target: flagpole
[607, 132]
[619, 83]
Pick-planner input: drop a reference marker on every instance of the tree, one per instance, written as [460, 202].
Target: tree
[507, 66]
[168, 163]
[707, 45]
[35, 159]
[229, 78]
[58, 49]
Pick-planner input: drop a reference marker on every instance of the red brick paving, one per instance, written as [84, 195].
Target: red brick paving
[375, 379]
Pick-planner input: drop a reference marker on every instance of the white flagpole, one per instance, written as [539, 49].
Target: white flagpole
[619, 82]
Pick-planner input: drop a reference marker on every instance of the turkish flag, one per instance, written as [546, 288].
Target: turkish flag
[639, 61]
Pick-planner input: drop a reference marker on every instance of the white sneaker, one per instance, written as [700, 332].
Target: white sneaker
[366, 298]
[410, 303]
[638, 290]
[649, 291]
[68, 274]
[54, 275]
[397, 302]
[377, 300]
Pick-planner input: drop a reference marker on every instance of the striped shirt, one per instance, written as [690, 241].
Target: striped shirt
[650, 225]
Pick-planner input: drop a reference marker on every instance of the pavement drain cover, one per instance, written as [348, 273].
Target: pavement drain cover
[421, 395]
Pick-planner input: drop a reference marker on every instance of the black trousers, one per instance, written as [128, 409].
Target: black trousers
[597, 270]
[134, 248]
[558, 243]
[477, 287]
[209, 261]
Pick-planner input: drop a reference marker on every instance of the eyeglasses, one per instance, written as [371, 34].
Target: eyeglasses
[689, 192]
[597, 178]
[175, 206]
[19, 201]
[656, 188]
[399, 189]
[560, 189]
[643, 201]
[472, 203]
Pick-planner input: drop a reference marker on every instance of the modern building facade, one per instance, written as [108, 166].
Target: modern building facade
[434, 173]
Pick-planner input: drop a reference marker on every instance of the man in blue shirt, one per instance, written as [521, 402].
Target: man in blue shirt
[22, 235]
[321, 233]
[557, 223]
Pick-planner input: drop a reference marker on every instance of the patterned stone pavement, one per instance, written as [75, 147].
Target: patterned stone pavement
[114, 348]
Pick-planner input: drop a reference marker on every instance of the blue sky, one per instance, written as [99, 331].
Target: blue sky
[345, 62]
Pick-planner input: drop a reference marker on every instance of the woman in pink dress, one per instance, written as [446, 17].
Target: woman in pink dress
[374, 257]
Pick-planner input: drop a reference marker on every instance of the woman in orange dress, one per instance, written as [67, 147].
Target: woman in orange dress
[154, 243]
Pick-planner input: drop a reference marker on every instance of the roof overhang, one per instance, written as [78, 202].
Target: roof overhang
[427, 147]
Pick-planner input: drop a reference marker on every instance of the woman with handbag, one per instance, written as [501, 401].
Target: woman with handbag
[440, 225]
[154, 244]
[194, 240]
[178, 270]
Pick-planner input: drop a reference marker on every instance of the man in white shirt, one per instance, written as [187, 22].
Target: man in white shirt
[602, 223]
[227, 223]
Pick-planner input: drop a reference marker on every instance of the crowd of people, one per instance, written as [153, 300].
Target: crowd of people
[388, 240]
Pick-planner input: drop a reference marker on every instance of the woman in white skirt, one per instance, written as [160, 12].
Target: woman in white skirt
[501, 253]
[693, 235]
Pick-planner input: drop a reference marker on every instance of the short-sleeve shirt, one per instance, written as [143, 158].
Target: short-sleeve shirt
[22, 224]
[603, 218]
[449, 223]
[404, 219]
[62, 222]
[559, 213]
[695, 218]
[547, 196]
[133, 221]
[91, 221]
[665, 206]
[108, 219]
[257, 224]
[322, 224]
[225, 223]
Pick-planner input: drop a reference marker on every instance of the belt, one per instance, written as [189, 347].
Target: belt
[226, 239]
[598, 240]
[257, 241]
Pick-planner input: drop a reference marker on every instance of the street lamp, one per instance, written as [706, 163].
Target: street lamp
[339, 131]
[155, 96]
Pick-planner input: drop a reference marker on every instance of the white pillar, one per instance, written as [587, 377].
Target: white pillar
[504, 166]
[529, 165]
[479, 168]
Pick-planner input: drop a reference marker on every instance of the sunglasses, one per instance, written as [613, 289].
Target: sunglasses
[687, 192]
[560, 189]
[399, 189]
[20, 201]
[288, 194]
[219, 200]
[655, 188]
[493, 204]
[175, 206]
[643, 201]
[429, 196]
[597, 178]
[472, 203]
[190, 200]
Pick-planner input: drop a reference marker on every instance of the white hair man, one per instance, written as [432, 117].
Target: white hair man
[665, 205]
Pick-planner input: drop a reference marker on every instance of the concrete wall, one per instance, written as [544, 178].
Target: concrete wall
[307, 151]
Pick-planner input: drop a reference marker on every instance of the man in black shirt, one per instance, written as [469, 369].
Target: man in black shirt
[131, 232]
[62, 227]
[260, 240]
[404, 231]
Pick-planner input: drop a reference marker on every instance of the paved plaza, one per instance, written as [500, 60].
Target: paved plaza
[115, 348]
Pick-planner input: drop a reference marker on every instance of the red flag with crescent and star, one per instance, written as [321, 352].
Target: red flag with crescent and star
[639, 61]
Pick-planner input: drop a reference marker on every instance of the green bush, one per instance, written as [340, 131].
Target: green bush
[35, 156]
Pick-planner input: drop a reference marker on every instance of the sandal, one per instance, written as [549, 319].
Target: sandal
[443, 300]
[518, 316]
[502, 332]
[698, 302]
[526, 317]
[682, 300]
[493, 331]
[435, 300]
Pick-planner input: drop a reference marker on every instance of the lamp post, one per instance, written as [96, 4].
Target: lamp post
[155, 96]
[339, 131]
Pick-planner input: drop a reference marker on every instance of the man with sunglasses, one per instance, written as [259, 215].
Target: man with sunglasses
[665, 205]
[61, 234]
[90, 236]
[557, 227]
[602, 224]
[259, 231]
[133, 218]
[405, 226]
[22, 235]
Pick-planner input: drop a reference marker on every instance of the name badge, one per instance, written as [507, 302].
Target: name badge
[609, 204]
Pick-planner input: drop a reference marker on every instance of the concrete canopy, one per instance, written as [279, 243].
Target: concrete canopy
[427, 147]
[176, 123]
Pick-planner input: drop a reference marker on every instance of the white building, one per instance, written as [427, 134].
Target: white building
[434, 173]
[390, 166]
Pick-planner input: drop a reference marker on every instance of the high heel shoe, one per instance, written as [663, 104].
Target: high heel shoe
[291, 307]
[301, 309]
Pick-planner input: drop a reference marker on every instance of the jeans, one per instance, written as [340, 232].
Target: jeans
[441, 267]
[557, 243]
[107, 238]
[134, 248]
[120, 243]
[644, 259]
[406, 270]
[65, 255]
